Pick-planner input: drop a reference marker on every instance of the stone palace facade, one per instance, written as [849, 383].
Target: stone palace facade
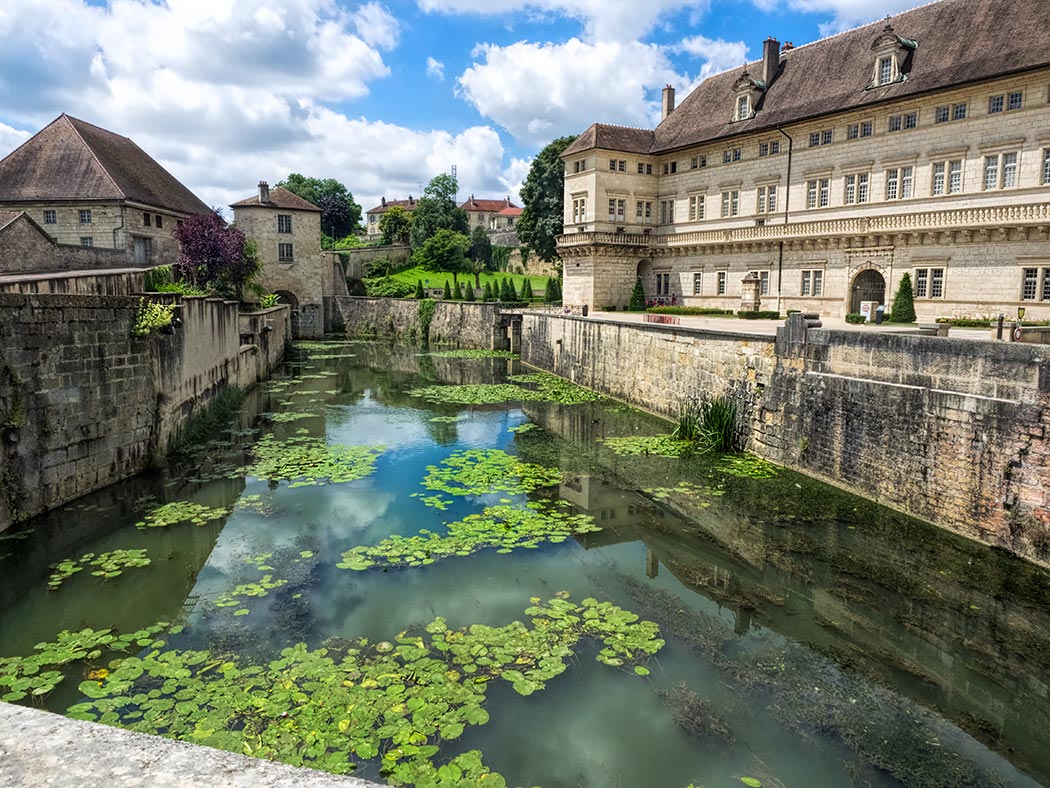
[919, 144]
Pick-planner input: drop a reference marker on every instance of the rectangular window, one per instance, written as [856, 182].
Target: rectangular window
[284, 253]
[284, 223]
[936, 283]
[867, 128]
[856, 188]
[895, 123]
[937, 179]
[1046, 165]
[158, 221]
[853, 132]
[818, 283]
[911, 120]
[696, 207]
[812, 282]
[612, 165]
[941, 115]
[146, 218]
[1029, 283]
[670, 167]
[818, 193]
[579, 166]
[899, 183]
[1046, 284]
[87, 240]
[698, 284]
[723, 277]
[885, 70]
[814, 139]
[1015, 100]
[696, 162]
[767, 199]
[621, 165]
[85, 218]
[1000, 171]
[730, 155]
[579, 210]
[907, 121]
[959, 111]
[921, 282]
[667, 211]
[51, 217]
[643, 211]
[763, 281]
[743, 106]
[730, 203]
[929, 283]
[617, 210]
[826, 136]
[995, 104]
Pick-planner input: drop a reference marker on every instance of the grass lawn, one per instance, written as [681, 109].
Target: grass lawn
[438, 278]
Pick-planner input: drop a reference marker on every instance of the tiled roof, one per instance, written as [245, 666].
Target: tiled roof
[486, 206]
[510, 211]
[6, 217]
[609, 137]
[958, 42]
[70, 159]
[408, 205]
[279, 198]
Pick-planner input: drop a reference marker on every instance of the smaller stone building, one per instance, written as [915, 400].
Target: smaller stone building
[373, 215]
[26, 249]
[287, 233]
[480, 213]
[88, 187]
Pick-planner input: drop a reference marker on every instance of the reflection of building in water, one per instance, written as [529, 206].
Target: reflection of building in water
[620, 514]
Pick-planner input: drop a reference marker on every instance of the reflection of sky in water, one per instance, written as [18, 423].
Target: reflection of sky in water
[594, 726]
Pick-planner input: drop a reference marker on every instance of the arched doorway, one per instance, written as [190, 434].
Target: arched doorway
[293, 308]
[869, 285]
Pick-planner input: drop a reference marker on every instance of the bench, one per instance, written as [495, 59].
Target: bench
[934, 329]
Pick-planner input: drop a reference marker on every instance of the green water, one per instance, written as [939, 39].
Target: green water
[812, 638]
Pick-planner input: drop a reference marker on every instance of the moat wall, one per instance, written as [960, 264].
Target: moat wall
[477, 325]
[83, 403]
[951, 431]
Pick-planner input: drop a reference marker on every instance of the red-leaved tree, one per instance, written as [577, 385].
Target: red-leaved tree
[213, 254]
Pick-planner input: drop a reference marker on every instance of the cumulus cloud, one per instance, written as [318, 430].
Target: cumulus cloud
[718, 55]
[562, 88]
[229, 92]
[844, 13]
[624, 20]
[435, 69]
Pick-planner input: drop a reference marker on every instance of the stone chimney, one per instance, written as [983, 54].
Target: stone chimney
[382, 201]
[668, 102]
[264, 192]
[770, 60]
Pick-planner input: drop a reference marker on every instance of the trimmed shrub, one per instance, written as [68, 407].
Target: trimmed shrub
[903, 302]
[855, 318]
[759, 315]
[487, 294]
[468, 292]
[550, 295]
[457, 293]
[419, 289]
[690, 310]
[447, 295]
[637, 297]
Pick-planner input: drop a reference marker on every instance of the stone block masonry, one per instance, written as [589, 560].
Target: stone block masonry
[950, 431]
[477, 325]
[83, 403]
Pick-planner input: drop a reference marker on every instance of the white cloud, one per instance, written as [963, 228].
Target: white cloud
[225, 93]
[620, 20]
[718, 55]
[541, 91]
[845, 13]
[435, 69]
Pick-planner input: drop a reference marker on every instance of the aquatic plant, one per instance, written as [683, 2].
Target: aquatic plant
[746, 465]
[445, 419]
[288, 416]
[304, 460]
[709, 423]
[547, 388]
[523, 428]
[484, 472]
[180, 512]
[551, 388]
[503, 527]
[636, 445]
[687, 489]
[470, 353]
[107, 565]
[353, 701]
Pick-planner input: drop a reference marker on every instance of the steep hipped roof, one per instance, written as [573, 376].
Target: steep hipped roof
[386, 205]
[510, 211]
[73, 160]
[959, 42]
[486, 206]
[280, 197]
[609, 137]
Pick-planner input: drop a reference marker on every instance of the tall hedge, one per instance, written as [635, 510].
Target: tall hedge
[637, 296]
[904, 302]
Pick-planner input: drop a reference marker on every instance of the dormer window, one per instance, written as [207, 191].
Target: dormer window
[892, 58]
[748, 92]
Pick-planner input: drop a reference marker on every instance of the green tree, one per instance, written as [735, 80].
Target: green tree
[488, 292]
[419, 289]
[480, 247]
[457, 292]
[396, 225]
[904, 302]
[637, 296]
[468, 292]
[511, 291]
[504, 291]
[447, 295]
[340, 215]
[444, 251]
[550, 295]
[526, 291]
[437, 210]
[542, 196]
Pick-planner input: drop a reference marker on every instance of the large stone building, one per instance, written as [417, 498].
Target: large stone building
[373, 215]
[89, 187]
[919, 144]
[287, 234]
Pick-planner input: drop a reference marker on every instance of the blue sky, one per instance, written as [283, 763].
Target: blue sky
[382, 96]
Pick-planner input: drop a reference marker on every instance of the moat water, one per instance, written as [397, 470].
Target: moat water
[812, 638]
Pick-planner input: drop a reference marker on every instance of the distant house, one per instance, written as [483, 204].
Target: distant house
[85, 186]
[480, 213]
[287, 234]
[503, 226]
[26, 248]
[373, 215]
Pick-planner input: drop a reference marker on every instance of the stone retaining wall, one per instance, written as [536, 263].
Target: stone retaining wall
[83, 403]
[119, 281]
[951, 431]
[478, 325]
